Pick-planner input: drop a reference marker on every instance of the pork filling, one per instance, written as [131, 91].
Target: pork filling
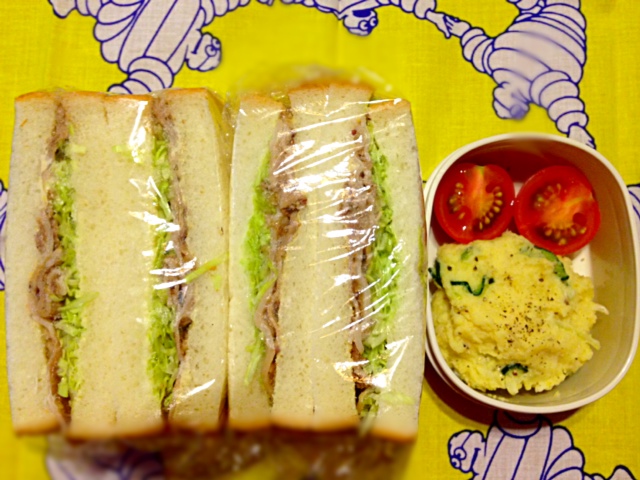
[54, 290]
[55, 297]
[277, 203]
[172, 298]
[373, 267]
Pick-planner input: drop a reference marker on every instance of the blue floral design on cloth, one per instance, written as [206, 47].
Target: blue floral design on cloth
[515, 449]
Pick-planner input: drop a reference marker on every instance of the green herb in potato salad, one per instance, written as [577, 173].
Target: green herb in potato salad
[511, 316]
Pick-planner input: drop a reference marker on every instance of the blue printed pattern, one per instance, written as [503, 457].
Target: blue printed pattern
[517, 449]
[538, 60]
[102, 462]
[360, 17]
[4, 195]
[634, 191]
[150, 40]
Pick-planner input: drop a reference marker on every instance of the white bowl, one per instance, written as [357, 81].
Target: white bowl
[612, 260]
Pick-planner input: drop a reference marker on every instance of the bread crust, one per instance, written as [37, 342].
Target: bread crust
[350, 88]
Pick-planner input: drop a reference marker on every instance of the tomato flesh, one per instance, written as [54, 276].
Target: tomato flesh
[556, 209]
[474, 202]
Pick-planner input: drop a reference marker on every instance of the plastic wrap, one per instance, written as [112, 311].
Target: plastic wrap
[117, 252]
[220, 301]
[326, 316]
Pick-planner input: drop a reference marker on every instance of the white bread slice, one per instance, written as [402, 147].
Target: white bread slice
[115, 398]
[32, 407]
[314, 387]
[198, 154]
[256, 127]
[394, 133]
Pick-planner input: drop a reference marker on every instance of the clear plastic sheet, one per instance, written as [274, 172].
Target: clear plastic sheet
[326, 262]
[227, 303]
[117, 251]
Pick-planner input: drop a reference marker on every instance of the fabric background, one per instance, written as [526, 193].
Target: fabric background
[452, 106]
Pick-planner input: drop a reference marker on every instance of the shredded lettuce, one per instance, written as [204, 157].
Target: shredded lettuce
[257, 262]
[382, 276]
[209, 266]
[69, 327]
[383, 269]
[163, 360]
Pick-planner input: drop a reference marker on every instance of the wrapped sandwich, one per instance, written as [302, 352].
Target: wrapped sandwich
[117, 232]
[327, 313]
[140, 283]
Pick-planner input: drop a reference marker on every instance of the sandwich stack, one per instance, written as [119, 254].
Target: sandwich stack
[118, 204]
[326, 263]
[152, 285]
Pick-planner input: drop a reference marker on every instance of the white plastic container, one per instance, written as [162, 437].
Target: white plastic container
[612, 260]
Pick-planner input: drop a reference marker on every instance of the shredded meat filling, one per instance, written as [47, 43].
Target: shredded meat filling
[283, 193]
[47, 285]
[361, 212]
[180, 296]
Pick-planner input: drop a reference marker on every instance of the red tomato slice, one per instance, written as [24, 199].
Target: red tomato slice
[474, 202]
[557, 210]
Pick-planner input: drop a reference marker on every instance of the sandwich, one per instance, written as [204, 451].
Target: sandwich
[116, 235]
[327, 313]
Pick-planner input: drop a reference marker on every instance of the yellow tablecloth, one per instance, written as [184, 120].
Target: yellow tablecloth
[98, 44]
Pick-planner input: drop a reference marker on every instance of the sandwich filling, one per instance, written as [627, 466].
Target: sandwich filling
[372, 262]
[163, 362]
[172, 299]
[374, 270]
[277, 203]
[57, 300]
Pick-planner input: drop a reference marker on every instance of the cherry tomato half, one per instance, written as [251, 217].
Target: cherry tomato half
[474, 202]
[557, 210]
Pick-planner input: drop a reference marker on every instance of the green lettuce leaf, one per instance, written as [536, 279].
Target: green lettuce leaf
[69, 327]
[256, 261]
[163, 360]
[382, 276]
[383, 268]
